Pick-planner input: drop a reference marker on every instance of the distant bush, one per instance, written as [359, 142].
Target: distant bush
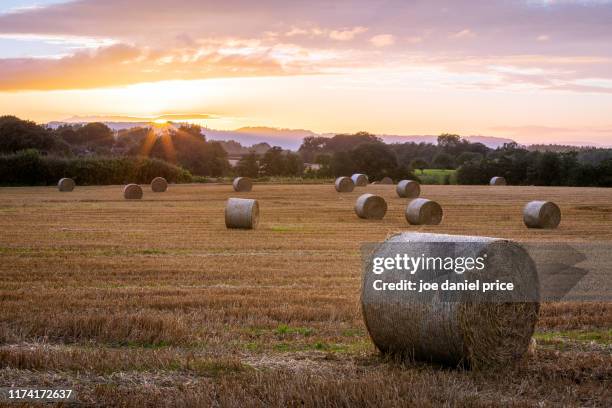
[28, 167]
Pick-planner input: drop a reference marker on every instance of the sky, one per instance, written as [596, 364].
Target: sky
[538, 71]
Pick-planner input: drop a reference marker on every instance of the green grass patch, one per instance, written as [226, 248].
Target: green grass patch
[603, 337]
[437, 176]
[283, 329]
[352, 333]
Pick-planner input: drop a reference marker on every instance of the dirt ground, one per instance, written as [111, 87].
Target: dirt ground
[155, 303]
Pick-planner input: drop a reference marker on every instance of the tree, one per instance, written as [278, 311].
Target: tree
[443, 161]
[468, 156]
[91, 135]
[376, 160]
[345, 143]
[341, 164]
[273, 162]
[17, 134]
[96, 135]
[419, 163]
[311, 147]
[293, 165]
[447, 140]
[248, 166]
[186, 147]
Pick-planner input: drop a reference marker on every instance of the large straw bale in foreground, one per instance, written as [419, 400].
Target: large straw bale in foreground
[542, 214]
[65, 185]
[242, 213]
[467, 328]
[370, 206]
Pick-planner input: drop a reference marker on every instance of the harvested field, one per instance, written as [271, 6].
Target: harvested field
[98, 294]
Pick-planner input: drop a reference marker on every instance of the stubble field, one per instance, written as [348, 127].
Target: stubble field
[155, 303]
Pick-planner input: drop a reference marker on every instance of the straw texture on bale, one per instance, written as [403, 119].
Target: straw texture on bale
[159, 185]
[370, 206]
[422, 211]
[242, 213]
[498, 181]
[360, 180]
[462, 331]
[242, 184]
[132, 192]
[65, 185]
[344, 185]
[542, 214]
[408, 189]
[386, 180]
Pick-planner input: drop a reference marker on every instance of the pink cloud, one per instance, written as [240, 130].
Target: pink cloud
[567, 41]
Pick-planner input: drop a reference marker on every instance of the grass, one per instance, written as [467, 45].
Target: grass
[603, 337]
[156, 303]
[437, 176]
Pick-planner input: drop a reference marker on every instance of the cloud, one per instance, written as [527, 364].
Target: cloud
[346, 35]
[466, 33]
[568, 42]
[382, 40]
[123, 65]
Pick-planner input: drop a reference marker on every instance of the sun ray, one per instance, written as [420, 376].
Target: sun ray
[148, 143]
[168, 146]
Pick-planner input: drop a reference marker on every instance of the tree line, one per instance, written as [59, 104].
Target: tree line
[33, 154]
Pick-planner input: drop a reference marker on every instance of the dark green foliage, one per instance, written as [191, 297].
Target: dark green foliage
[522, 167]
[186, 147]
[376, 160]
[468, 156]
[312, 146]
[342, 164]
[91, 135]
[248, 166]
[419, 163]
[30, 168]
[17, 134]
[276, 162]
[293, 165]
[443, 161]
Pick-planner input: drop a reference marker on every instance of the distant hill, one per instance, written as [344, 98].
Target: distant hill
[489, 141]
[289, 139]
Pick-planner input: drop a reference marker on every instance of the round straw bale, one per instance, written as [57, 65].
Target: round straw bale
[370, 206]
[386, 180]
[159, 185]
[462, 328]
[541, 214]
[422, 211]
[360, 180]
[241, 213]
[408, 189]
[65, 185]
[344, 185]
[242, 184]
[498, 181]
[132, 192]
